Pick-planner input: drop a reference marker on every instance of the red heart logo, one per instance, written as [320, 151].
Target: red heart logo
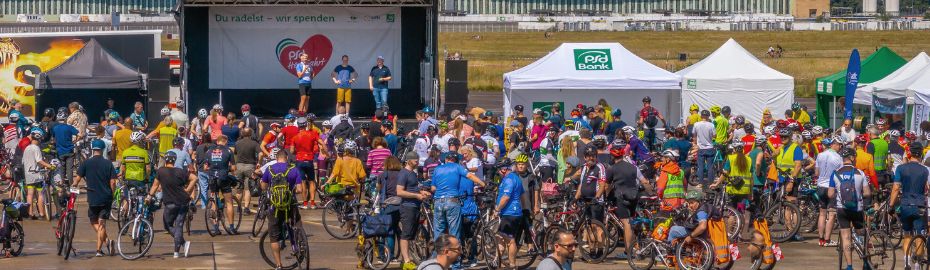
[317, 47]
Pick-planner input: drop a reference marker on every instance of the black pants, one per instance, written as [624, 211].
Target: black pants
[649, 136]
[175, 216]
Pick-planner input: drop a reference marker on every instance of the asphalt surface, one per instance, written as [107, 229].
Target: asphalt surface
[241, 251]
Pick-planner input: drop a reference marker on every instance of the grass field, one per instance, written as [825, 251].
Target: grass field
[808, 54]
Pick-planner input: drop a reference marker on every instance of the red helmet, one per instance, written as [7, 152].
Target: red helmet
[862, 138]
[617, 148]
[781, 123]
[246, 108]
[910, 135]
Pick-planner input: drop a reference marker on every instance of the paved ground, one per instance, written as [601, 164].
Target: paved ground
[241, 252]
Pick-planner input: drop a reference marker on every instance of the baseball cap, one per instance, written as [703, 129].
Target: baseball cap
[98, 145]
[381, 57]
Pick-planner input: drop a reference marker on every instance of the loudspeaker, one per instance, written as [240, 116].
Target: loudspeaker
[456, 70]
[457, 92]
[159, 68]
[455, 106]
[159, 89]
[153, 112]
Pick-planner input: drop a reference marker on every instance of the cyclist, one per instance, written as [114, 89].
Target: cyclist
[878, 147]
[166, 132]
[348, 169]
[276, 174]
[762, 156]
[737, 171]
[800, 115]
[695, 225]
[100, 175]
[134, 166]
[625, 180]
[34, 167]
[200, 157]
[864, 159]
[446, 189]
[692, 119]
[721, 126]
[788, 161]
[248, 152]
[896, 155]
[196, 124]
[828, 162]
[851, 194]
[509, 207]
[408, 188]
[671, 182]
[910, 179]
[220, 163]
[65, 136]
[77, 118]
[176, 185]
[639, 151]
[270, 139]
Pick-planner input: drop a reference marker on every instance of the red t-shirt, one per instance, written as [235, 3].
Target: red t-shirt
[289, 132]
[306, 144]
[749, 142]
[775, 140]
[23, 143]
[270, 140]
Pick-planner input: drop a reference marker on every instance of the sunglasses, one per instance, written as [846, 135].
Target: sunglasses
[570, 246]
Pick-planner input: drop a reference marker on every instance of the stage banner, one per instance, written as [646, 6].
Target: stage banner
[259, 47]
[889, 105]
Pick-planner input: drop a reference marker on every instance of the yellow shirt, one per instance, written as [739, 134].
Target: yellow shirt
[162, 124]
[349, 170]
[802, 117]
[694, 118]
[121, 139]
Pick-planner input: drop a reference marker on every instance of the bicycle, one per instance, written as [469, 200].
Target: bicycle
[720, 200]
[783, 216]
[136, 236]
[263, 207]
[914, 259]
[877, 254]
[341, 217]
[10, 217]
[293, 234]
[757, 261]
[64, 232]
[215, 214]
[647, 250]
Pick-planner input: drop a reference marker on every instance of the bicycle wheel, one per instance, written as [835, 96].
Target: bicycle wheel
[734, 222]
[339, 219]
[289, 252]
[135, 239]
[189, 218]
[123, 214]
[48, 205]
[17, 239]
[491, 252]
[614, 234]
[69, 233]
[914, 258]
[810, 212]
[525, 255]
[212, 218]
[303, 244]
[422, 245]
[60, 235]
[697, 255]
[259, 222]
[236, 217]
[591, 243]
[779, 216]
[376, 253]
[641, 254]
[881, 251]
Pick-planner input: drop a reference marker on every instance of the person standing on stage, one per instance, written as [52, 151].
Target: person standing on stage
[304, 78]
[378, 82]
[344, 76]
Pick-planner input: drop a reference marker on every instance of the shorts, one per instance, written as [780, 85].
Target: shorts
[595, 211]
[625, 211]
[409, 222]
[825, 202]
[846, 218]
[306, 170]
[244, 173]
[222, 184]
[37, 185]
[303, 90]
[913, 220]
[98, 212]
[344, 95]
[137, 185]
[511, 226]
[275, 225]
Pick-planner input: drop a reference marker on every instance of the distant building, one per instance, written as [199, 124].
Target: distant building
[622, 7]
[804, 9]
[56, 7]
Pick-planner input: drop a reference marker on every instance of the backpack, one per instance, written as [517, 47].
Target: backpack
[848, 195]
[281, 196]
[652, 118]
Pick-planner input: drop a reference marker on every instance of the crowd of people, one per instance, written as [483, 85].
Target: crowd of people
[592, 157]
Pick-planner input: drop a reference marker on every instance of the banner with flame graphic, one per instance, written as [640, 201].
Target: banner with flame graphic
[23, 58]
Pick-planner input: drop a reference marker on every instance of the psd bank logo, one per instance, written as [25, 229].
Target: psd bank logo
[593, 59]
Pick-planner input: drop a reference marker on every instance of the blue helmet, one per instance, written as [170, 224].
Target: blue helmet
[289, 117]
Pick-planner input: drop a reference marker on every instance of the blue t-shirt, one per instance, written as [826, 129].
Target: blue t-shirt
[378, 73]
[446, 178]
[391, 141]
[344, 74]
[912, 177]
[682, 146]
[184, 159]
[612, 128]
[232, 133]
[305, 79]
[293, 176]
[512, 188]
[469, 207]
[64, 141]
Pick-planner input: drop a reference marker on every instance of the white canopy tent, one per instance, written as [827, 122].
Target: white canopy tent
[583, 73]
[895, 84]
[732, 76]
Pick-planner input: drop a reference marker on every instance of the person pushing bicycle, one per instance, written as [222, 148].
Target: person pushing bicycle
[283, 182]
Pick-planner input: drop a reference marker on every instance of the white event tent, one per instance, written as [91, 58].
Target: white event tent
[895, 84]
[583, 73]
[732, 76]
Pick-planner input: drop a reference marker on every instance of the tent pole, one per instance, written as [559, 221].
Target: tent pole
[833, 113]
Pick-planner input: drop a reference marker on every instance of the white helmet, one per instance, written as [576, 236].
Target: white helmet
[817, 130]
[350, 146]
[165, 111]
[202, 113]
[274, 152]
[894, 133]
[669, 153]
[137, 137]
[218, 107]
[629, 129]
[769, 130]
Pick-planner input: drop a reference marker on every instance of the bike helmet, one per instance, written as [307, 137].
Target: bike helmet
[794, 126]
[916, 149]
[180, 103]
[113, 116]
[217, 107]
[521, 158]
[37, 133]
[301, 122]
[617, 148]
[862, 138]
[808, 126]
[275, 125]
[784, 132]
[694, 107]
[55, 162]
[202, 113]
[171, 157]
[781, 123]
[590, 151]
[629, 129]
[61, 116]
[165, 111]
[647, 99]
[725, 110]
[137, 137]
[311, 117]
[669, 153]
[736, 146]
[881, 121]
[600, 141]
[806, 135]
[769, 130]
[289, 117]
[617, 113]
[364, 126]
[715, 109]
[178, 141]
[910, 135]
[894, 133]
[245, 108]
[62, 110]
[847, 152]
[431, 129]
[817, 130]
[749, 128]
[739, 119]
[349, 146]
[826, 141]
[14, 117]
[49, 112]
[795, 106]
[838, 139]
[761, 140]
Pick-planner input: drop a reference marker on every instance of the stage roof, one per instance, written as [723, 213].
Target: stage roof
[354, 3]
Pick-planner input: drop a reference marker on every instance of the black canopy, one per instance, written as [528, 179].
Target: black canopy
[93, 67]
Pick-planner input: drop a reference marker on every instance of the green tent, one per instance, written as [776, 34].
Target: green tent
[831, 87]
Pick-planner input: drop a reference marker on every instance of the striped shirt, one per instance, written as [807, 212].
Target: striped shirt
[376, 159]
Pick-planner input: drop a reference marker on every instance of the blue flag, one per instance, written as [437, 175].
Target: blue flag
[852, 81]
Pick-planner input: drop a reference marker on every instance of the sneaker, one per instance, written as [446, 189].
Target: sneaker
[831, 243]
[187, 248]
[216, 227]
[849, 267]
[304, 206]
[409, 266]
[622, 256]
[797, 237]
[247, 212]
[313, 205]
[820, 242]
[176, 255]
[99, 253]
[232, 229]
